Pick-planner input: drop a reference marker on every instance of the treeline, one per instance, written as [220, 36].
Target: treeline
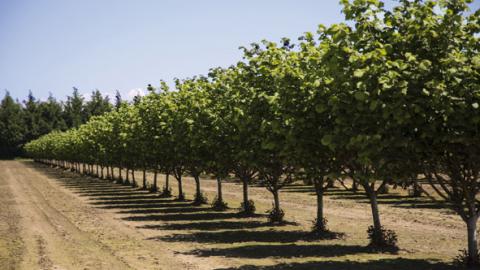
[390, 98]
[21, 122]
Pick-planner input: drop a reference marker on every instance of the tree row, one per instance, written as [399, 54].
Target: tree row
[389, 97]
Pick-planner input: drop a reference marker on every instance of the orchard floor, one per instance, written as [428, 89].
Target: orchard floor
[54, 219]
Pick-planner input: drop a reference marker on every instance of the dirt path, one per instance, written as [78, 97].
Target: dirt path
[59, 220]
[59, 231]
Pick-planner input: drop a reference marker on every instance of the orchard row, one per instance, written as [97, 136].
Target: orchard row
[388, 98]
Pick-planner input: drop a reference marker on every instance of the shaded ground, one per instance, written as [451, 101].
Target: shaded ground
[94, 224]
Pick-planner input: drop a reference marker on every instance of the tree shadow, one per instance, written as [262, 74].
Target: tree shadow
[185, 217]
[282, 251]
[228, 237]
[210, 226]
[382, 264]
[116, 197]
[146, 205]
[164, 210]
[126, 201]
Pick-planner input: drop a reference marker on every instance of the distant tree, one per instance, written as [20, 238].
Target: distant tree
[74, 109]
[31, 117]
[118, 100]
[97, 105]
[12, 127]
[49, 115]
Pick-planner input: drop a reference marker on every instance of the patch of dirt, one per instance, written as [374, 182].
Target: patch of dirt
[71, 222]
[59, 231]
[11, 245]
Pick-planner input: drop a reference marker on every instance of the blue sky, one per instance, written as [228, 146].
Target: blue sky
[54, 45]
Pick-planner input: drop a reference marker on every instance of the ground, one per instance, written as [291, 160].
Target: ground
[53, 219]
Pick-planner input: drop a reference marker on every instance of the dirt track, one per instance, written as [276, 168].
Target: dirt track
[50, 219]
[59, 231]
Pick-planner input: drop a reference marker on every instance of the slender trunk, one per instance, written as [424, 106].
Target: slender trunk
[144, 184]
[180, 190]
[374, 205]
[319, 191]
[417, 189]
[155, 174]
[120, 174]
[167, 186]
[197, 185]
[134, 183]
[276, 200]
[127, 175]
[101, 172]
[354, 186]
[245, 190]
[112, 173]
[219, 189]
[97, 173]
[472, 240]
[331, 183]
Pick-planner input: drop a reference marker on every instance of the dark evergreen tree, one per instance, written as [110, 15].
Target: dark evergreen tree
[118, 100]
[12, 127]
[97, 105]
[31, 118]
[74, 110]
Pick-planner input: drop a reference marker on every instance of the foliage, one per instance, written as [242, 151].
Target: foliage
[248, 208]
[275, 215]
[382, 239]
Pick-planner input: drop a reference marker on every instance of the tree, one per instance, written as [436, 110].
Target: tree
[261, 117]
[12, 127]
[74, 111]
[97, 105]
[304, 108]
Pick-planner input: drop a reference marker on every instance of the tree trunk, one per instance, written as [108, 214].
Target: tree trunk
[374, 205]
[167, 186]
[472, 240]
[245, 190]
[276, 200]
[197, 185]
[331, 183]
[127, 175]
[319, 191]
[180, 189]
[354, 186]
[134, 183]
[219, 189]
[417, 189]
[112, 172]
[144, 185]
[155, 174]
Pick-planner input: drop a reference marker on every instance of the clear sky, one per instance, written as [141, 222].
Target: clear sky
[54, 45]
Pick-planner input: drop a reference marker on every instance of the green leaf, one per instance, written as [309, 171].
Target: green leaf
[327, 140]
[361, 96]
[358, 73]
[319, 108]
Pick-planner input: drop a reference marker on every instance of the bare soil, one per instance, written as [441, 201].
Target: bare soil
[54, 219]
